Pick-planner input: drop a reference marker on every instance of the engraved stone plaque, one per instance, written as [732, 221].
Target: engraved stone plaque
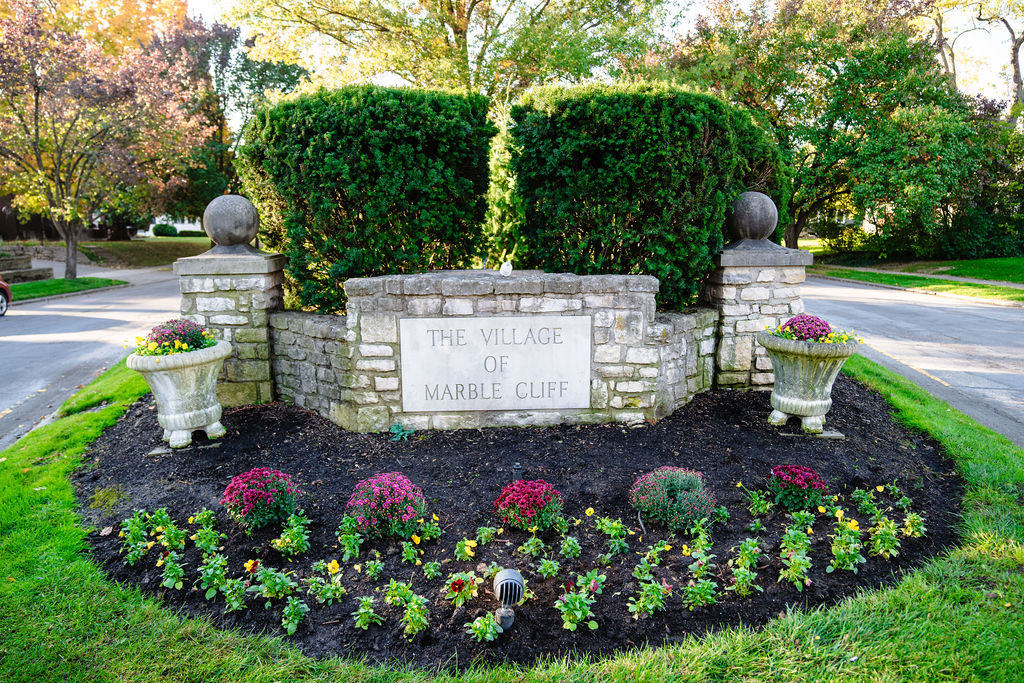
[499, 363]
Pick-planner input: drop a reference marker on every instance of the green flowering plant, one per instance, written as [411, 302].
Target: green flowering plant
[673, 496]
[174, 336]
[484, 629]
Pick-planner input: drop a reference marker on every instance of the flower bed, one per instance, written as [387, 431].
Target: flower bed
[461, 475]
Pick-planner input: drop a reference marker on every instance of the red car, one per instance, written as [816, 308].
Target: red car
[5, 296]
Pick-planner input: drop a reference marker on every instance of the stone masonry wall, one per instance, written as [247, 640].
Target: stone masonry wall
[755, 285]
[643, 365]
[232, 296]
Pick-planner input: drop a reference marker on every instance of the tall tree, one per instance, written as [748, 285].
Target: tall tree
[494, 47]
[857, 103]
[235, 85]
[1009, 15]
[76, 122]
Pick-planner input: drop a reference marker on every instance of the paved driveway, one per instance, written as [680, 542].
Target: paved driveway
[966, 352]
[47, 349]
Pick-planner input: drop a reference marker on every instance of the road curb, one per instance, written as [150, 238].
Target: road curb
[946, 295]
[68, 295]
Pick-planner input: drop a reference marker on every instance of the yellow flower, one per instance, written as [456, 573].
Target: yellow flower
[821, 509]
[810, 531]
[500, 531]
[152, 346]
[879, 488]
[685, 550]
[839, 514]
[159, 529]
[191, 520]
[120, 534]
[333, 567]
[472, 544]
[739, 484]
[436, 518]
[150, 545]
[854, 526]
[249, 565]
[415, 539]
[588, 512]
[667, 547]
[418, 562]
[533, 529]
[578, 522]
[160, 562]
[358, 567]
[633, 533]
[194, 537]
[419, 521]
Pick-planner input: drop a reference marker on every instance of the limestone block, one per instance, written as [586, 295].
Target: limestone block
[424, 305]
[762, 378]
[466, 287]
[458, 307]
[785, 293]
[246, 371]
[732, 378]
[191, 285]
[632, 387]
[385, 383]
[766, 275]
[231, 394]
[410, 421]
[373, 419]
[755, 293]
[732, 276]
[585, 418]
[763, 363]
[648, 373]
[224, 319]
[796, 307]
[598, 394]
[792, 276]
[378, 328]
[614, 370]
[455, 421]
[530, 304]
[602, 335]
[253, 335]
[214, 304]
[735, 309]
[735, 353]
[363, 286]
[376, 351]
[720, 293]
[598, 300]
[628, 328]
[364, 397]
[755, 325]
[642, 355]
[607, 353]
[374, 365]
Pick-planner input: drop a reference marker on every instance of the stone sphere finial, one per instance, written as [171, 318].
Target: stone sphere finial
[753, 217]
[231, 221]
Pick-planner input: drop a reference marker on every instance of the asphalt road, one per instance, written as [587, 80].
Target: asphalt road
[968, 353]
[50, 348]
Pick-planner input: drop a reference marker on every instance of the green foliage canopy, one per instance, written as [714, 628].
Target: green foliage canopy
[366, 181]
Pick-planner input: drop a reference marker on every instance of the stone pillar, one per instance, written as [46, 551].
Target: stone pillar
[231, 290]
[755, 284]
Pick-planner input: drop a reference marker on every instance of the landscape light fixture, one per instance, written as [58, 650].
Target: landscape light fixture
[517, 471]
[508, 587]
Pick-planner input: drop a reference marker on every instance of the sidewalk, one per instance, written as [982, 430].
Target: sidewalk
[133, 276]
[936, 276]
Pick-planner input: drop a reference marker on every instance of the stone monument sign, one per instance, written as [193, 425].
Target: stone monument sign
[495, 363]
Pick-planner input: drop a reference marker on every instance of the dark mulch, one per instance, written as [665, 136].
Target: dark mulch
[722, 433]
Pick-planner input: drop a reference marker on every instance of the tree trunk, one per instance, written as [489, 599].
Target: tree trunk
[793, 231]
[71, 254]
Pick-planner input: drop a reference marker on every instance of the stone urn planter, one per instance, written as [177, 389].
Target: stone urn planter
[804, 374]
[185, 387]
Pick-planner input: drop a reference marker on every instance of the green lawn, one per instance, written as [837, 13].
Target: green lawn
[1009, 269]
[33, 290]
[923, 283]
[959, 617]
[145, 252]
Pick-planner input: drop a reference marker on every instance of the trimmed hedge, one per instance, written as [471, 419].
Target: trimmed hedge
[634, 179]
[164, 230]
[365, 181]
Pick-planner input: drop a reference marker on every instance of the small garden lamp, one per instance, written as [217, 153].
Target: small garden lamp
[508, 587]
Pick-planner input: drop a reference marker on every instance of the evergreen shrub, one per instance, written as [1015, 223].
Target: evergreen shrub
[364, 181]
[634, 179]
